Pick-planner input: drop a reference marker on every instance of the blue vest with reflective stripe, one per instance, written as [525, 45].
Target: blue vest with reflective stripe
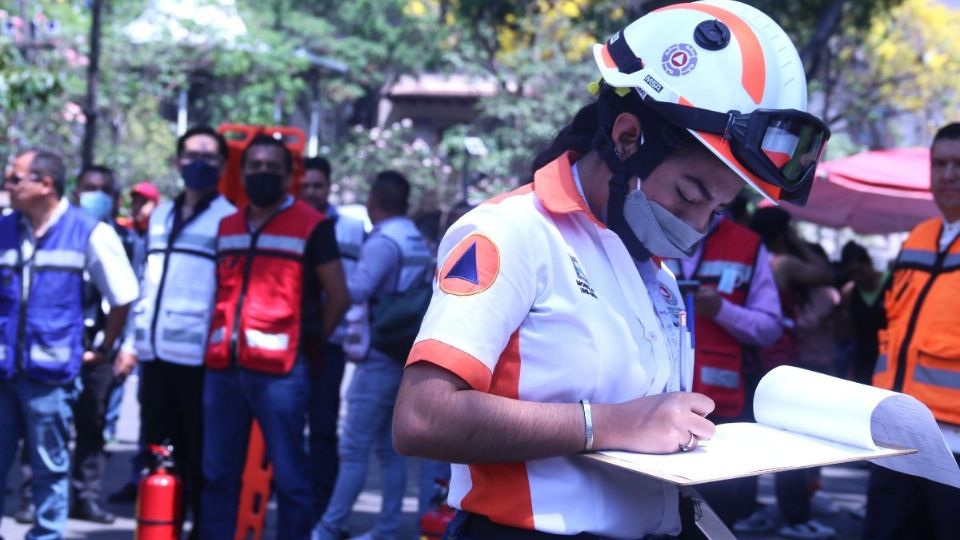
[43, 330]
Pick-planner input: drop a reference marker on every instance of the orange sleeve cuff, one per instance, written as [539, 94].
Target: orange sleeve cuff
[452, 359]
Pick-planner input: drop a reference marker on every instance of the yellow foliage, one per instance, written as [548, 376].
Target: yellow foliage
[415, 8]
[915, 51]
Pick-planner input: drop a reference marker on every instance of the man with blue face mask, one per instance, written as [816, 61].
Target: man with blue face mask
[173, 314]
[97, 194]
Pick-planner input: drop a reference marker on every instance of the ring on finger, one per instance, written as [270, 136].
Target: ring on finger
[690, 444]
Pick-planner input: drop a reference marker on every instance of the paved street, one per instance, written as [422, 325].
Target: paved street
[844, 485]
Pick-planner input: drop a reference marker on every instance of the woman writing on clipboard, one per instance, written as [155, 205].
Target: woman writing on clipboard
[553, 328]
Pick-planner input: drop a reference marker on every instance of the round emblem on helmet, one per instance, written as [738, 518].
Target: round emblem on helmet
[679, 59]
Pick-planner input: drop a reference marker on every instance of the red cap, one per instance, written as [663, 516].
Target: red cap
[146, 190]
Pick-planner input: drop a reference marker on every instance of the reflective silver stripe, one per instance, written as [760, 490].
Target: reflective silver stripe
[61, 258]
[723, 378]
[234, 241]
[8, 257]
[60, 355]
[743, 272]
[917, 256]
[938, 377]
[282, 243]
[951, 260]
[182, 336]
[3, 353]
[269, 342]
[199, 241]
[217, 335]
[881, 364]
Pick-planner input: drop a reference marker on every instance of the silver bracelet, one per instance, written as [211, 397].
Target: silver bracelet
[588, 422]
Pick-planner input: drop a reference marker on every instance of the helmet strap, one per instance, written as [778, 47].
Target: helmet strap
[655, 146]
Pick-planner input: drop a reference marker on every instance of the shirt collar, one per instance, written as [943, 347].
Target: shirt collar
[556, 188]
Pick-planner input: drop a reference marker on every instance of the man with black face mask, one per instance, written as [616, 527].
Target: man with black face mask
[274, 259]
[173, 314]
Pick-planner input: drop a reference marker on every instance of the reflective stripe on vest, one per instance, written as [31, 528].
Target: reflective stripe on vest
[59, 258]
[881, 364]
[742, 271]
[54, 355]
[916, 257]
[269, 342]
[8, 257]
[724, 378]
[937, 377]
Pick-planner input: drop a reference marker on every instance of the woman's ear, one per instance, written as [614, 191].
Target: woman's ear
[626, 134]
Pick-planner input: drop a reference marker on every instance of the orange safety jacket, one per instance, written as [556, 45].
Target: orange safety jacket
[718, 370]
[256, 320]
[920, 348]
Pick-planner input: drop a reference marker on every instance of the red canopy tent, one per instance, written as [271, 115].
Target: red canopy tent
[877, 192]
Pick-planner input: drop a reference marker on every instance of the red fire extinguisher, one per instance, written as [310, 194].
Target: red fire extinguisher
[434, 522]
[159, 499]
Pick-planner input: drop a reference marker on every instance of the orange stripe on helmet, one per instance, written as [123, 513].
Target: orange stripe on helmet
[721, 147]
[607, 59]
[754, 77]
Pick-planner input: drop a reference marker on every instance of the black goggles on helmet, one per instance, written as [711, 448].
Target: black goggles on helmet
[781, 147]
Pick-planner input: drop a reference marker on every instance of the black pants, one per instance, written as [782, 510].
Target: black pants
[171, 410]
[904, 507]
[88, 456]
[468, 526]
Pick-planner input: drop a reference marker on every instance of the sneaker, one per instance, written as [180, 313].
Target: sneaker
[822, 505]
[811, 530]
[26, 514]
[758, 522]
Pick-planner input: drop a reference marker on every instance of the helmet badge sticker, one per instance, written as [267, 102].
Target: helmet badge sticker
[679, 59]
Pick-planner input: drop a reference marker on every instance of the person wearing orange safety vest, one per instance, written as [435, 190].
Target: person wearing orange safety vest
[554, 329]
[920, 355]
[274, 259]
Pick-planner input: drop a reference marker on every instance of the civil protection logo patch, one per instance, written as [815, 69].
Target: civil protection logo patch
[679, 59]
[472, 266]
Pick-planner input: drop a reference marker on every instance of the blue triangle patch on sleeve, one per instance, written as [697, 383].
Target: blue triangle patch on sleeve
[466, 267]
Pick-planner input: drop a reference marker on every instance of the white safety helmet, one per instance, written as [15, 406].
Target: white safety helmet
[730, 75]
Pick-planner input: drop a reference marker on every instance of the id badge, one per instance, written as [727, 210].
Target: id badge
[728, 281]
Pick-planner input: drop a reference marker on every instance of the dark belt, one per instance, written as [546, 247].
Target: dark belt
[469, 526]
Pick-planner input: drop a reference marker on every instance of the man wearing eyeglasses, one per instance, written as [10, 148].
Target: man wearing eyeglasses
[173, 315]
[46, 247]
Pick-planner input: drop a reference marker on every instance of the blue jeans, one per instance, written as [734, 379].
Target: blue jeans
[112, 415]
[324, 412]
[232, 398]
[43, 415]
[430, 472]
[368, 426]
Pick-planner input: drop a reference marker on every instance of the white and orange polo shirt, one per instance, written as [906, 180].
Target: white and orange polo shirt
[536, 300]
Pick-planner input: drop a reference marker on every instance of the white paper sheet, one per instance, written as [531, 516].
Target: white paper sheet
[804, 401]
[903, 421]
[742, 449]
[805, 419]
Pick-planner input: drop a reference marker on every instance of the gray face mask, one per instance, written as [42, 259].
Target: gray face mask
[662, 233]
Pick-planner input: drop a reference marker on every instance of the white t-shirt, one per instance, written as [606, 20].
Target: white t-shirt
[536, 300]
